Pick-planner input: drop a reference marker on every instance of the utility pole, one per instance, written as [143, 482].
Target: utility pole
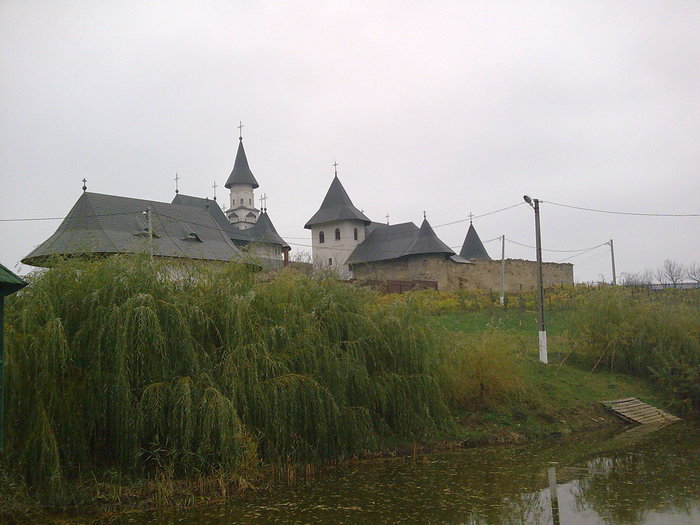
[612, 255]
[535, 203]
[503, 270]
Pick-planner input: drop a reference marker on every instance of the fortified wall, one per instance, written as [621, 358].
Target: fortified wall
[484, 275]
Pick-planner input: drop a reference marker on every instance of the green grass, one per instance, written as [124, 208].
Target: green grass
[525, 322]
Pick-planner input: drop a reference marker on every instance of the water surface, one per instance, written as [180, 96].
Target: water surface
[637, 477]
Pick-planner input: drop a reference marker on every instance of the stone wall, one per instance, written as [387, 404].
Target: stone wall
[520, 275]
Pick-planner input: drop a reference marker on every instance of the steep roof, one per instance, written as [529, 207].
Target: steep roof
[241, 173]
[108, 224]
[9, 282]
[264, 231]
[213, 209]
[336, 206]
[473, 248]
[384, 242]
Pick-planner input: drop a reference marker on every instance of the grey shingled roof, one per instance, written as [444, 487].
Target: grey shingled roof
[213, 208]
[9, 282]
[264, 231]
[384, 242]
[473, 248]
[336, 206]
[108, 224]
[241, 173]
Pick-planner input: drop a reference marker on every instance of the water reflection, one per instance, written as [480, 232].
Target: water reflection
[654, 478]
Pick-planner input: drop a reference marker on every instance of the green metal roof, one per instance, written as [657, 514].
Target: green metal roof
[9, 282]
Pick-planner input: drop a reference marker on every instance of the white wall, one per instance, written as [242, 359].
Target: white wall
[337, 251]
[245, 192]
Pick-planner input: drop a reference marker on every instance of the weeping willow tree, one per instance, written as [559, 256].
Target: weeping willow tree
[117, 364]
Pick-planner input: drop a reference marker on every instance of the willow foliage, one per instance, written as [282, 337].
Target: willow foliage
[128, 364]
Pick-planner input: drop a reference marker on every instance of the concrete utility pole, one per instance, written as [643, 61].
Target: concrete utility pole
[612, 255]
[503, 269]
[553, 497]
[535, 203]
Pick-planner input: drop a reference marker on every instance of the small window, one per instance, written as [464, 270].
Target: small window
[355, 233]
[321, 238]
[337, 234]
[250, 202]
[330, 262]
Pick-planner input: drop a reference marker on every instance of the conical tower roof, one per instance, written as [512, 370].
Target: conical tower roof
[336, 206]
[473, 248]
[427, 242]
[264, 231]
[241, 173]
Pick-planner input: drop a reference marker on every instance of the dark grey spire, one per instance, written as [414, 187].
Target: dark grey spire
[427, 242]
[336, 206]
[264, 231]
[241, 173]
[473, 248]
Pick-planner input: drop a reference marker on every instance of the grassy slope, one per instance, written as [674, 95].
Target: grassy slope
[562, 398]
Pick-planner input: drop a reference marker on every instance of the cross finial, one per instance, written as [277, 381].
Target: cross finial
[424, 218]
[263, 202]
[387, 218]
[84, 184]
[335, 167]
[177, 188]
[214, 186]
[240, 130]
[471, 216]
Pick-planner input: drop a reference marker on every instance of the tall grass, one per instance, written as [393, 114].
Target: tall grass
[126, 364]
[649, 336]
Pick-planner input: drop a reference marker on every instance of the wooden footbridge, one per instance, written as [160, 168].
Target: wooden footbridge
[633, 410]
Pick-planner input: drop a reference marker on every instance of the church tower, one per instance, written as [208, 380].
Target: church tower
[336, 230]
[242, 214]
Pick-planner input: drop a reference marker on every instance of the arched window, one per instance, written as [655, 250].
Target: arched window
[337, 234]
[241, 202]
[330, 262]
[355, 233]
[321, 238]
[250, 202]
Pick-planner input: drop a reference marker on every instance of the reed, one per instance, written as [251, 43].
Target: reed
[652, 336]
[165, 371]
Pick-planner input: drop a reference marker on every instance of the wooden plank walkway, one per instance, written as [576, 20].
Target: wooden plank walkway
[633, 410]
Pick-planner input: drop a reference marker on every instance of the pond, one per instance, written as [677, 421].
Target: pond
[635, 477]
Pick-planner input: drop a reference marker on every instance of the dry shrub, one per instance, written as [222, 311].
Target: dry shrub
[483, 370]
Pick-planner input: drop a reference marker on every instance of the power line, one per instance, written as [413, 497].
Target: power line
[558, 251]
[479, 216]
[583, 252]
[624, 212]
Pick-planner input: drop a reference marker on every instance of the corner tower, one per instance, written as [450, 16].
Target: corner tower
[242, 213]
[336, 230]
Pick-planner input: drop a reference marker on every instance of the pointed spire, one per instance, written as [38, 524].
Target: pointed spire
[264, 231]
[241, 173]
[473, 248]
[427, 242]
[336, 206]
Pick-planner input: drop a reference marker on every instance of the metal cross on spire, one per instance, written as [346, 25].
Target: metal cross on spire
[177, 187]
[240, 130]
[214, 186]
[335, 167]
[471, 216]
[263, 202]
[387, 218]
[84, 184]
[424, 216]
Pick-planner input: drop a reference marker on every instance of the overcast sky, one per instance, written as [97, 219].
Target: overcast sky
[447, 107]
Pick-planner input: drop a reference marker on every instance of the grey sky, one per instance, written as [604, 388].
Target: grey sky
[447, 107]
